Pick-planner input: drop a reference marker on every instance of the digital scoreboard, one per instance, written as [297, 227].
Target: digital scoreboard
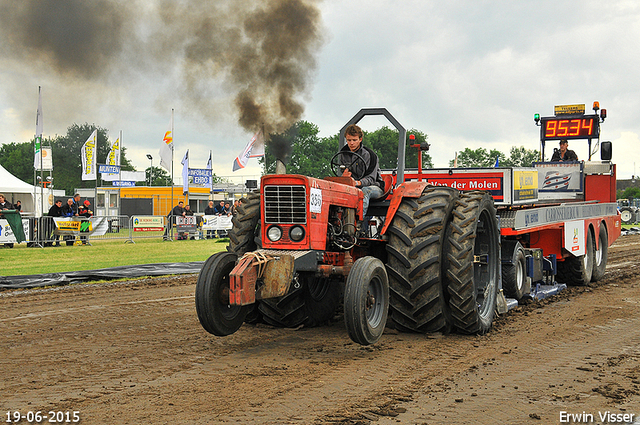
[571, 122]
[557, 128]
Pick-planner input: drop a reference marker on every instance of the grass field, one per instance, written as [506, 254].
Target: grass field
[21, 260]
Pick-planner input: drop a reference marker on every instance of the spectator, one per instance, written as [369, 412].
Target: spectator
[187, 210]
[50, 227]
[210, 210]
[219, 209]
[178, 210]
[4, 204]
[69, 210]
[76, 204]
[227, 207]
[234, 208]
[84, 211]
[18, 206]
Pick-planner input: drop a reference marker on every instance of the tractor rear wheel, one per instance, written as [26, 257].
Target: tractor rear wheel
[312, 303]
[245, 236]
[472, 262]
[601, 254]
[577, 271]
[366, 300]
[418, 300]
[212, 296]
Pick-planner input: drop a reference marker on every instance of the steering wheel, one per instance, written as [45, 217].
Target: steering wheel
[338, 167]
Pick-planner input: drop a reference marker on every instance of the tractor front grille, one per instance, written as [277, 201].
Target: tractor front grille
[285, 204]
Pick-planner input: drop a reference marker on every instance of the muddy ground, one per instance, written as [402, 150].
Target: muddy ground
[134, 352]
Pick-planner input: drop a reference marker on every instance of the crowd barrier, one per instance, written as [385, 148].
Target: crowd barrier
[49, 231]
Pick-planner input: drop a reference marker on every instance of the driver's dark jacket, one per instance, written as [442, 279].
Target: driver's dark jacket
[371, 175]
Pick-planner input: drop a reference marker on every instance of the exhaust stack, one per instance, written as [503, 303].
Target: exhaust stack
[280, 167]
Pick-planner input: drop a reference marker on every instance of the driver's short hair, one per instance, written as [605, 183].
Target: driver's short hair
[353, 130]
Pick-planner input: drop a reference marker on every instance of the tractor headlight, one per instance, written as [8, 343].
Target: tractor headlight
[296, 233]
[274, 233]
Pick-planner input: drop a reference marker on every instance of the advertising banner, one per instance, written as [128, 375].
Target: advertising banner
[186, 224]
[92, 226]
[6, 234]
[148, 223]
[216, 222]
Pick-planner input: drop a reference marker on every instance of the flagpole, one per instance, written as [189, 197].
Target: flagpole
[120, 172]
[211, 187]
[41, 172]
[172, 149]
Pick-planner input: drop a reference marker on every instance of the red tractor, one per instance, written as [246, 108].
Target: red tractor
[298, 246]
[435, 256]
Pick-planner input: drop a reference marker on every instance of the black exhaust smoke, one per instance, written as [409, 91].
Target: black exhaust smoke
[256, 59]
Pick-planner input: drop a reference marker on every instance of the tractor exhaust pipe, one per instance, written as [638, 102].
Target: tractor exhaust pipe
[280, 167]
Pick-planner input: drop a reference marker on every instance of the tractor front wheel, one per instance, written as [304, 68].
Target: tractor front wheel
[366, 300]
[215, 313]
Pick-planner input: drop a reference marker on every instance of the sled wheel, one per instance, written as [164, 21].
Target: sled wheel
[577, 271]
[212, 296]
[415, 267]
[472, 262]
[601, 254]
[514, 273]
[366, 300]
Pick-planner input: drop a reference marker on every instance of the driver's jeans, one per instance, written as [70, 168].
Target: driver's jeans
[370, 192]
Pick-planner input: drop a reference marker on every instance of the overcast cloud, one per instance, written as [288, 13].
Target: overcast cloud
[470, 74]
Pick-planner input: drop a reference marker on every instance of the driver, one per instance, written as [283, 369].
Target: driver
[370, 181]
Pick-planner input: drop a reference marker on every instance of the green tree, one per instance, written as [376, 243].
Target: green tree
[301, 150]
[159, 177]
[630, 193]
[67, 164]
[384, 142]
[17, 158]
[479, 158]
[521, 157]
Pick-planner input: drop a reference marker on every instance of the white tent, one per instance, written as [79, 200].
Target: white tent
[15, 189]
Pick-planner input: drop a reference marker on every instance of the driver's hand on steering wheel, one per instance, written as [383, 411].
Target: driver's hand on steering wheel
[347, 173]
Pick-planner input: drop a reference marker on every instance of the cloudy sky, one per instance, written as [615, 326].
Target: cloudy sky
[470, 73]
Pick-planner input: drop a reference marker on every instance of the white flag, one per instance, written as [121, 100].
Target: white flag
[210, 167]
[254, 149]
[166, 150]
[185, 173]
[88, 154]
[39, 124]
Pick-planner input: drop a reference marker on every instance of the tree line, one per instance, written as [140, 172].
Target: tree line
[307, 154]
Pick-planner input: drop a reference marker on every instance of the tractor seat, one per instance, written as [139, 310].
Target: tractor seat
[378, 207]
[388, 185]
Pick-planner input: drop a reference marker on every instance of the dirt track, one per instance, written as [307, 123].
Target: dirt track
[132, 353]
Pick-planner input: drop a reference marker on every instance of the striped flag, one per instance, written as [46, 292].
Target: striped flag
[254, 149]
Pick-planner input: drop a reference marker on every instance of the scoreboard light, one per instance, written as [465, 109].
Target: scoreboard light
[585, 127]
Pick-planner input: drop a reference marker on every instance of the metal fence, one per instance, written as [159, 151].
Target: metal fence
[55, 231]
